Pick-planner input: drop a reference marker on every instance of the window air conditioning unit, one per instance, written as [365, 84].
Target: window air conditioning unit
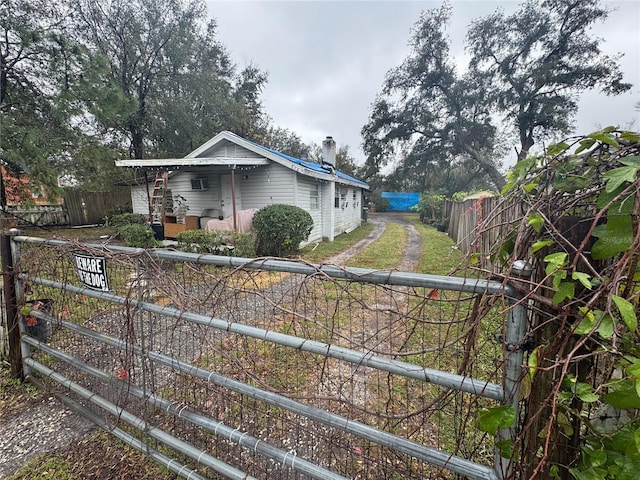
[199, 183]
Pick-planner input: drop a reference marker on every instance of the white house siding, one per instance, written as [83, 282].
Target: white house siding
[197, 200]
[180, 184]
[305, 186]
[266, 185]
[347, 216]
[139, 199]
[229, 149]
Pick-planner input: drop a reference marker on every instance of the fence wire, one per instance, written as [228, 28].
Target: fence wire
[202, 363]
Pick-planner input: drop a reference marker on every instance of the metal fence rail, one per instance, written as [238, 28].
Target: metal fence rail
[274, 369]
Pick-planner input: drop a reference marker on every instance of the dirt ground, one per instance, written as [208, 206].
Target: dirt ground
[32, 422]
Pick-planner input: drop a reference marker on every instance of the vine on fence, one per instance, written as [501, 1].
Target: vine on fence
[579, 229]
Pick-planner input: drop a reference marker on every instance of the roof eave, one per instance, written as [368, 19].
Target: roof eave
[191, 162]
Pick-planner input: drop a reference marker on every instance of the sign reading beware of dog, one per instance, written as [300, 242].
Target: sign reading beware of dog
[92, 271]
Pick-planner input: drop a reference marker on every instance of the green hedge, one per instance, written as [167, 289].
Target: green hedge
[217, 242]
[128, 218]
[139, 236]
[280, 229]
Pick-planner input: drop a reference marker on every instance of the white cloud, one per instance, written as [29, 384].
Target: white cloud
[327, 59]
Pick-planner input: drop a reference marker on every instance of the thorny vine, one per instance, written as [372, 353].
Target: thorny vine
[573, 215]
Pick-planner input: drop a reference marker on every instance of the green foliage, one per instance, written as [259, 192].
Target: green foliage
[615, 456]
[287, 142]
[378, 202]
[525, 69]
[579, 228]
[430, 207]
[35, 123]
[280, 229]
[491, 419]
[534, 61]
[83, 84]
[434, 119]
[233, 244]
[128, 218]
[138, 236]
[140, 96]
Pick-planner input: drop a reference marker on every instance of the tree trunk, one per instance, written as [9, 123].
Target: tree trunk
[564, 444]
[488, 167]
[3, 79]
[136, 128]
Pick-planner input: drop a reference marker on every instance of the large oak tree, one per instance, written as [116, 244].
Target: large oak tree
[175, 83]
[537, 61]
[430, 116]
[527, 69]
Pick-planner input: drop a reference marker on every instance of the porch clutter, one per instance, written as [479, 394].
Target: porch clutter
[243, 223]
[172, 227]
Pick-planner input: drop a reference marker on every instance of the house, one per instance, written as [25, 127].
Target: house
[229, 174]
[19, 189]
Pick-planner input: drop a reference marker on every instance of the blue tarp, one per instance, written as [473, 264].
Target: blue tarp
[401, 201]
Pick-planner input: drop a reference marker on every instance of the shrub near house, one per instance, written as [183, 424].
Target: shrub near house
[280, 229]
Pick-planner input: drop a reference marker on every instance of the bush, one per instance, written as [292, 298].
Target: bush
[280, 229]
[121, 219]
[245, 245]
[139, 236]
[378, 202]
[217, 242]
[117, 210]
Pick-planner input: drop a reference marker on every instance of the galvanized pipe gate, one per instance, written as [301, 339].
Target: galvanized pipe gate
[269, 368]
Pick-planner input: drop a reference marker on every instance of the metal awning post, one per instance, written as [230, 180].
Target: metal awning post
[146, 187]
[233, 197]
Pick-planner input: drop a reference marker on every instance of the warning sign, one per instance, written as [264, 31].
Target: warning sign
[92, 271]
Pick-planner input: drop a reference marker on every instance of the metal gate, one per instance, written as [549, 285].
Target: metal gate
[266, 368]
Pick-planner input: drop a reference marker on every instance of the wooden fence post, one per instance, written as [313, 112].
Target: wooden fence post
[10, 298]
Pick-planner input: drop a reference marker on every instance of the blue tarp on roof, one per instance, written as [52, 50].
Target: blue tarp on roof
[401, 201]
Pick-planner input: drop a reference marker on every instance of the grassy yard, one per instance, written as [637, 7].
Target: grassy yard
[319, 252]
[438, 255]
[386, 252]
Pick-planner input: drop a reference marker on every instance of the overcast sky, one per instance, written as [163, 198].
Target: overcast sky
[326, 60]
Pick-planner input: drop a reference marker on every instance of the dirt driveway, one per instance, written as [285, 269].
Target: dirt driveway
[411, 256]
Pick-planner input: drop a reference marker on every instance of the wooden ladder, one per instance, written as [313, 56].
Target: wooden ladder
[159, 197]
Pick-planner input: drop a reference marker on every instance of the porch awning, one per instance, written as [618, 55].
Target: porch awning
[191, 162]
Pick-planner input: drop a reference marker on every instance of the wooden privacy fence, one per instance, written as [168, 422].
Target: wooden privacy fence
[465, 219]
[90, 207]
[79, 208]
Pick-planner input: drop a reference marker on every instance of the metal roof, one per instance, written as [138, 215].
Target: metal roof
[193, 159]
[316, 167]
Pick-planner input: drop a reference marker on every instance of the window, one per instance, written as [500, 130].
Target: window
[336, 200]
[200, 183]
[313, 197]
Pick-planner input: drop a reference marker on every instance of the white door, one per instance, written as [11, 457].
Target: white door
[226, 204]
